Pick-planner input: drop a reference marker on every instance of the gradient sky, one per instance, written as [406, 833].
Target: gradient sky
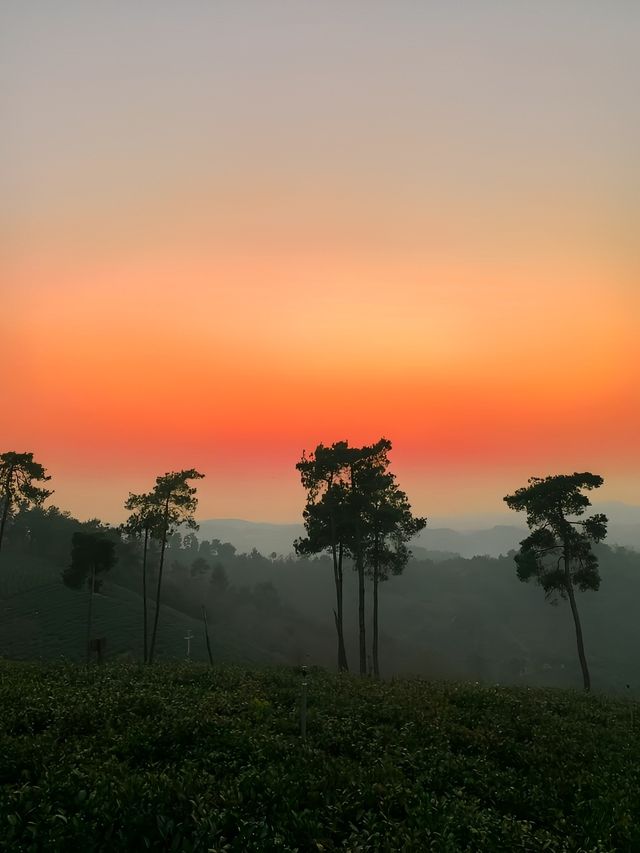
[232, 230]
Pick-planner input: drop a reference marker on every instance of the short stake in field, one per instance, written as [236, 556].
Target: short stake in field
[188, 638]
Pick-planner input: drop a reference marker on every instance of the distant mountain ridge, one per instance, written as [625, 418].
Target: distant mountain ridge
[470, 535]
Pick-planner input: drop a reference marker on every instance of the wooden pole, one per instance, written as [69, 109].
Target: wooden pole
[206, 634]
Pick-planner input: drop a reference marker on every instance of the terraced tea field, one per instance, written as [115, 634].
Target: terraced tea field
[41, 619]
[181, 757]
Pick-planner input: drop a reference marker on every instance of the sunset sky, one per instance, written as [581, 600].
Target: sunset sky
[232, 230]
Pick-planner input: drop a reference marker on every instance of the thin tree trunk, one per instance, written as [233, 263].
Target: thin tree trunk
[144, 594]
[5, 508]
[336, 580]
[206, 634]
[90, 617]
[586, 678]
[342, 649]
[360, 569]
[336, 552]
[376, 663]
[361, 608]
[161, 566]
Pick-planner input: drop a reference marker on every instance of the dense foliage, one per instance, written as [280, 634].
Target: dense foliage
[187, 758]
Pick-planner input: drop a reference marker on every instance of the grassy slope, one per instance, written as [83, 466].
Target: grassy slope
[185, 758]
[41, 618]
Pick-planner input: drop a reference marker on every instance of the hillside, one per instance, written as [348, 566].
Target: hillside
[121, 758]
[41, 618]
[472, 618]
[448, 617]
[455, 618]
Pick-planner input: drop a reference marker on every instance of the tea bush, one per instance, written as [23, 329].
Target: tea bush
[181, 757]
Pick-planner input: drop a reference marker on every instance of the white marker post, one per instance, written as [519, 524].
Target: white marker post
[188, 638]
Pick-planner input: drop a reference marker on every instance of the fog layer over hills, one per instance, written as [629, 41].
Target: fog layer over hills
[446, 616]
[488, 534]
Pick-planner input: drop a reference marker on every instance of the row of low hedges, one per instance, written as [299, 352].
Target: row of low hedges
[187, 758]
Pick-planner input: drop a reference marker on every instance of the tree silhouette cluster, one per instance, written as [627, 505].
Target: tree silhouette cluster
[356, 509]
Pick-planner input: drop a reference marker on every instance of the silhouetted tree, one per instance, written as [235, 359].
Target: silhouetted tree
[219, 579]
[324, 476]
[368, 475]
[174, 541]
[205, 550]
[390, 525]
[92, 554]
[177, 500]
[146, 520]
[340, 483]
[222, 550]
[199, 567]
[557, 553]
[18, 472]
[190, 544]
[38, 529]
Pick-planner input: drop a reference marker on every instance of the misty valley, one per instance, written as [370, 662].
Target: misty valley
[359, 585]
[361, 687]
[445, 618]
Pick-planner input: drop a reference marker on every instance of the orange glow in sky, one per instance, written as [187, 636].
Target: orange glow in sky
[198, 275]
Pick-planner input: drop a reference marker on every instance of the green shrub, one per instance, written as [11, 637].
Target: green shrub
[180, 757]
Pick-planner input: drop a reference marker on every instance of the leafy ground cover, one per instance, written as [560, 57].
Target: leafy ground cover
[181, 757]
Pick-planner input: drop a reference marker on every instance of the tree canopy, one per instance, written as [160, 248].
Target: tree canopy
[19, 473]
[92, 554]
[549, 504]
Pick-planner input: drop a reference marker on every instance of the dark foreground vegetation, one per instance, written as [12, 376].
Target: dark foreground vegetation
[183, 757]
